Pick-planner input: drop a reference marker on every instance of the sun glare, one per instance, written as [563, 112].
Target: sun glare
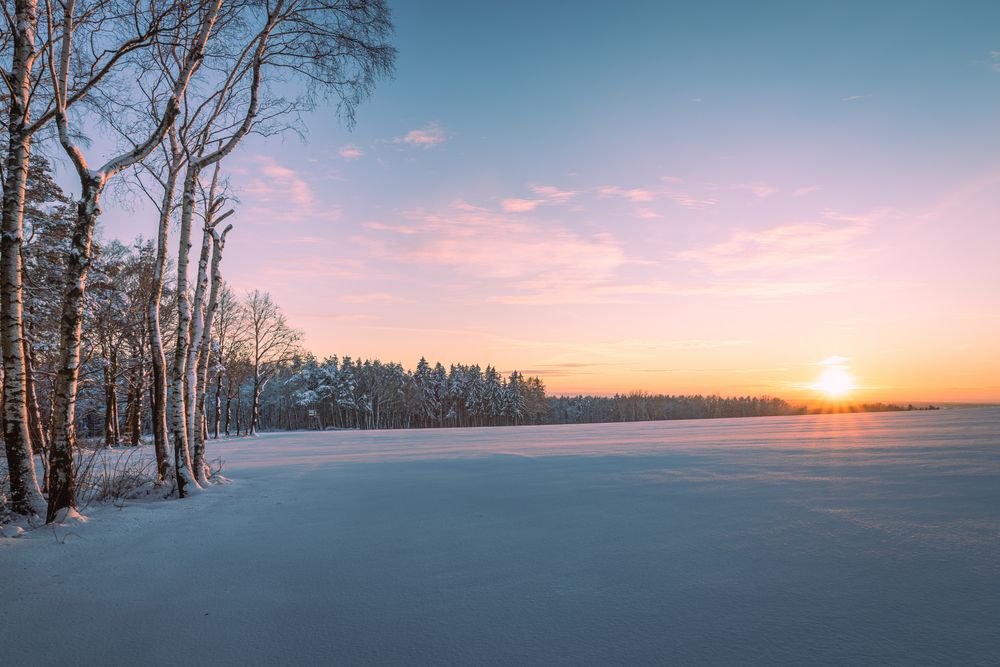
[835, 382]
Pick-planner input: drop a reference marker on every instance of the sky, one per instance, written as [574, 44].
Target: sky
[710, 197]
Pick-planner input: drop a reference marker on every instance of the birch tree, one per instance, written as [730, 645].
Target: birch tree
[31, 107]
[190, 46]
[329, 47]
[164, 173]
[201, 330]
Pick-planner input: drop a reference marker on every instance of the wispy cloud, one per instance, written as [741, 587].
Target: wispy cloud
[803, 191]
[763, 290]
[272, 183]
[835, 360]
[271, 192]
[313, 267]
[426, 137]
[547, 194]
[632, 194]
[758, 190]
[511, 254]
[350, 152]
[395, 229]
[689, 201]
[783, 246]
[554, 195]
[520, 205]
[372, 297]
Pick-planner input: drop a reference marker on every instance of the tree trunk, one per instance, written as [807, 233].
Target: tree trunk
[135, 419]
[205, 344]
[25, 492]
[239, 410]
[192, 380]
[26, 496]
[62, 490]
[217, 408]
[62, 483]
[182, 454]
[229, 408]
[159, 365]
[35, 425]
[111, 430]
[254, 403]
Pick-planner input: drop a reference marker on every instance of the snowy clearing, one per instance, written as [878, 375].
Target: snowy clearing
[837, 539]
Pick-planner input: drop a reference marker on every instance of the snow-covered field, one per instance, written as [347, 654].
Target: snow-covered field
[843, 539]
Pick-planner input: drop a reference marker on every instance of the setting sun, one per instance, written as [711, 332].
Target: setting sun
[835, 382]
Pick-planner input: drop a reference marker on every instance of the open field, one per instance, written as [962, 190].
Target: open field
[836, 539]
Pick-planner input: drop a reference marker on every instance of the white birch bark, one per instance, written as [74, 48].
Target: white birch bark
[62, 484]
[186, 482]
[205, 346]
[197, 327]
[26, 496]
[159, 361]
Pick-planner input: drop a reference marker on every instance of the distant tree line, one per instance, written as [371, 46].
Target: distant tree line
[642, 406]
[367, 394]
[371, 394]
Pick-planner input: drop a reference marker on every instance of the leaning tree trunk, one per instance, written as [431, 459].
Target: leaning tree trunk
[192, 377]
[182, 454]
[36, 427]
[158, 357]
[205, 345]
[62, 482]
[26, 496]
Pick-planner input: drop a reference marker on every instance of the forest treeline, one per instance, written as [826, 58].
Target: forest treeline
[364, 394]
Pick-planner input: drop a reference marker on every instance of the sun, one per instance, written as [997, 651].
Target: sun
[835, 382]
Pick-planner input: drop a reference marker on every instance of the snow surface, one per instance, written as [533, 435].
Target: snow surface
[838, 539]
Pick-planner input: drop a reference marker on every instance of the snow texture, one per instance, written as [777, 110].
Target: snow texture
[819, 540]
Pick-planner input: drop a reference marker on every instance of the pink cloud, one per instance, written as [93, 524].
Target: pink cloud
[553, 194]
[689, 201]
[783, 246]
[350, 152]
[760, 289]
[632, 194]
[508, 253]
[396, 229]
[758, 190]
[647, 214]
[371, 297]
[272, 183]
[520, 205]
[425, 137]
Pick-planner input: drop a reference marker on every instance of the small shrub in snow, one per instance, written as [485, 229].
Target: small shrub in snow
[114, 475]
